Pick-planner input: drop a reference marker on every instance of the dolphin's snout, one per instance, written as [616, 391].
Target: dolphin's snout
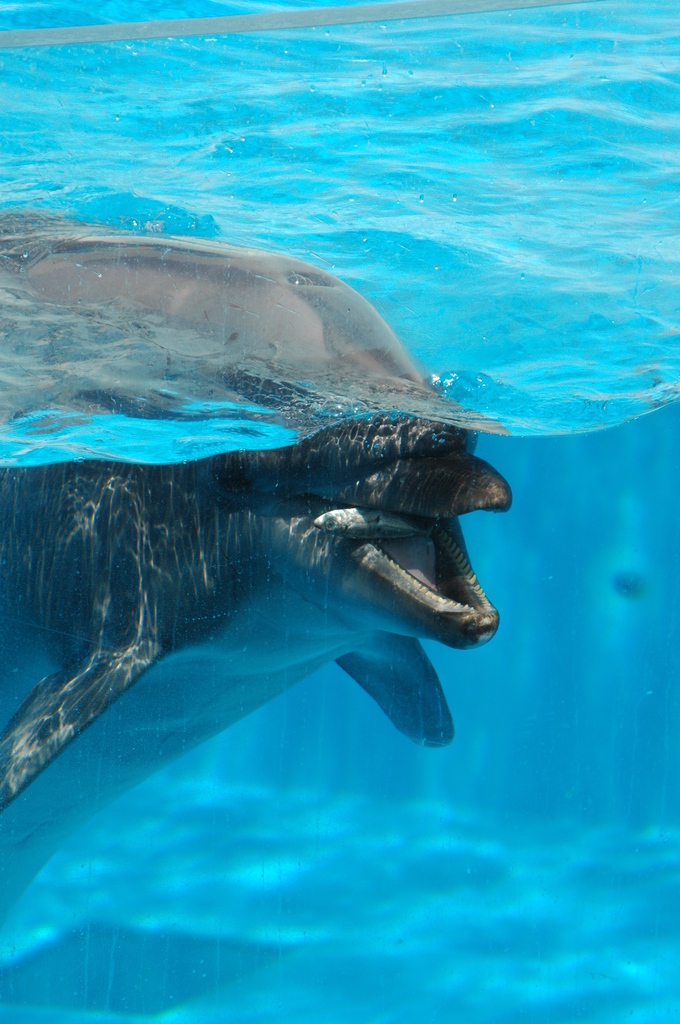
[471, 630]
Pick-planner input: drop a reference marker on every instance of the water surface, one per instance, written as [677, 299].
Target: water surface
[503, 187]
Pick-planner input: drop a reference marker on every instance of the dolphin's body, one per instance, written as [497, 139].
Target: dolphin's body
[163, 603]
[144, 608]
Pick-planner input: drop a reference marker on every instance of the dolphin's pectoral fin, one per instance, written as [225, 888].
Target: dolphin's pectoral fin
[60, 707]
[398, 674]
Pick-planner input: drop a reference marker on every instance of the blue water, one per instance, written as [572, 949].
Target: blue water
[38, 439]
[312, 864]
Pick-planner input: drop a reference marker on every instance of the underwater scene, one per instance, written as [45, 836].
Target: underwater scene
[291, 727]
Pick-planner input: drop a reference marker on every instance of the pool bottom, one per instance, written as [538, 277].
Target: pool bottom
[200, 901]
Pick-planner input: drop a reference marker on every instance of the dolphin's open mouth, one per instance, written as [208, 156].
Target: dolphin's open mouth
[426, 564]
[439, 563]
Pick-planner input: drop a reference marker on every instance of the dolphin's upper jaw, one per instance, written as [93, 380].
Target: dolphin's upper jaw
[430, 585]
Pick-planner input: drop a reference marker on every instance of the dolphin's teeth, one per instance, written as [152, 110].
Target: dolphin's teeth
[433, 595]
[453, 550]
[365, 524]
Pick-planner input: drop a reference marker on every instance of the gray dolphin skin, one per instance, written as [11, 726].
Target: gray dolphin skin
[95, 322]
[160, 604]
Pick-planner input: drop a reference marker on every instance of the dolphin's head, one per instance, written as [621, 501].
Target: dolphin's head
[370, 510]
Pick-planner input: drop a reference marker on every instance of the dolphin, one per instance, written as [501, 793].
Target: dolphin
[145, 608]
[95, 322]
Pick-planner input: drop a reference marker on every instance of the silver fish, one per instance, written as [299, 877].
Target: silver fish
[366, 523]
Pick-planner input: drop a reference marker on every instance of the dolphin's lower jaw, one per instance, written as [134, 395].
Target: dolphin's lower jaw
[447, 605]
